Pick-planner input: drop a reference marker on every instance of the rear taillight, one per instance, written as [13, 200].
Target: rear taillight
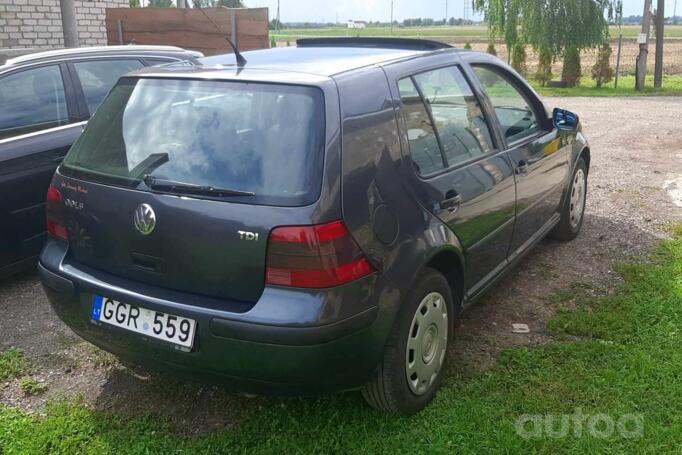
[318, 256]
[53, 208]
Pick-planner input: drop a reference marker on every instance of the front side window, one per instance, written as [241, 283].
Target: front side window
[98, 76]
[266, 140]
[517, 118]
[32, 100]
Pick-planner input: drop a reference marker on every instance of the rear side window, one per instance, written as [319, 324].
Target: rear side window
[97, 77]
[460, 123]
[449, 116]
[515, 113]
[264, 139]
[158, 61]
[421, 135]
[32, 100]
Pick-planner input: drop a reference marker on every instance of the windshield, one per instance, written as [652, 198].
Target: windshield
[263, 141]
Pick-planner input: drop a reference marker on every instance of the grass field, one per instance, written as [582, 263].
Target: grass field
[477, 36]
[613, 373]
[474, 32]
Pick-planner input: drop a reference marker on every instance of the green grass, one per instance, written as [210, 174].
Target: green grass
[476, 31]
[30, 386]
[672, 86]
[12, 364]
[627, 362]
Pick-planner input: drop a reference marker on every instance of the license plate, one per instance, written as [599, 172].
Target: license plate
[166, 327]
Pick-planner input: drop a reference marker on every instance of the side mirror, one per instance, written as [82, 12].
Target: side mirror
[565, 120]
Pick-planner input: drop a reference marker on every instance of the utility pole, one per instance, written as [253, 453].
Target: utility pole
[182, 4]
[278, 19]
[446, 13]
[391, 17]
[69, 26]
[643, 41]
[660, 26]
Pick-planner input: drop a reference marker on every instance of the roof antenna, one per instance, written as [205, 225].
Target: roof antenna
[241, 61]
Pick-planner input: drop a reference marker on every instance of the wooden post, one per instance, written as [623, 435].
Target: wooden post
[643, 46]
[119, 26]
[620, 44]
[660, 25]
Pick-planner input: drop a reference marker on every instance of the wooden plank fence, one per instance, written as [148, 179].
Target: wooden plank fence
[189, 28]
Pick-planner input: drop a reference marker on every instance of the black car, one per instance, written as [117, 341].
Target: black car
[45, 100]
[310, 220]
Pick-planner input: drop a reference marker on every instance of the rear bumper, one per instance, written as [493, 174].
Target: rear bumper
[302, 354]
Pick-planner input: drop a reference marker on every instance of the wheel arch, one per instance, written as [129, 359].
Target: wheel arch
[585, 155]
[450, 263]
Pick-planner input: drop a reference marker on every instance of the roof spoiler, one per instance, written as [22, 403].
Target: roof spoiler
[382, 43]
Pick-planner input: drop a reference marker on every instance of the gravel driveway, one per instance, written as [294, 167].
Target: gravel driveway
[635, 190]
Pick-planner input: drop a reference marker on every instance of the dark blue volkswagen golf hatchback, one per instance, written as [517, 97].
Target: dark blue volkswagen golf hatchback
[311, 218]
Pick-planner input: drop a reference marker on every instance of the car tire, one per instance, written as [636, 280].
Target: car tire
[414, 359]
[573, 211]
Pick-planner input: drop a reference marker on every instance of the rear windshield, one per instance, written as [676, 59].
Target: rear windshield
[266, 140]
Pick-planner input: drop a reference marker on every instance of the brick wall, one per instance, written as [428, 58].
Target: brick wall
[37, 23]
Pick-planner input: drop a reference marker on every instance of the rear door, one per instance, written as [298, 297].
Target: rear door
[540, 158]
[462, 176]
[38, 124]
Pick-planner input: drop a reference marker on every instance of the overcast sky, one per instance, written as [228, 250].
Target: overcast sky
[373, 10]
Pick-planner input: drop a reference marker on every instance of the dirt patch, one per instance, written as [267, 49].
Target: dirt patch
[633, 182]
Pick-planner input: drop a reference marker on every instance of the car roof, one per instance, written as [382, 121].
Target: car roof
[99, 50]
[318, 57]
[313, 60]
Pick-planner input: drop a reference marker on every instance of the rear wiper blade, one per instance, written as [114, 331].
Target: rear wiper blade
[155, 183]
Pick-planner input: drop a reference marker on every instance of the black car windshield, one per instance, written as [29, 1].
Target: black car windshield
[264, 142]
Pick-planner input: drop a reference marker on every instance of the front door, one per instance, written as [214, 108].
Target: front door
[540, 158]
[36, 131]
[463, 177]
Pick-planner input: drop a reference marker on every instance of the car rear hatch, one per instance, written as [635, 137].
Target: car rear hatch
[177, 182]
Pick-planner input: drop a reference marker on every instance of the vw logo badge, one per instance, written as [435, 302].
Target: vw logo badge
[144, 219]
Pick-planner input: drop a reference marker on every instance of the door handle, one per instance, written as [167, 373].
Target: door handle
[451, 202]
[522, 167]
